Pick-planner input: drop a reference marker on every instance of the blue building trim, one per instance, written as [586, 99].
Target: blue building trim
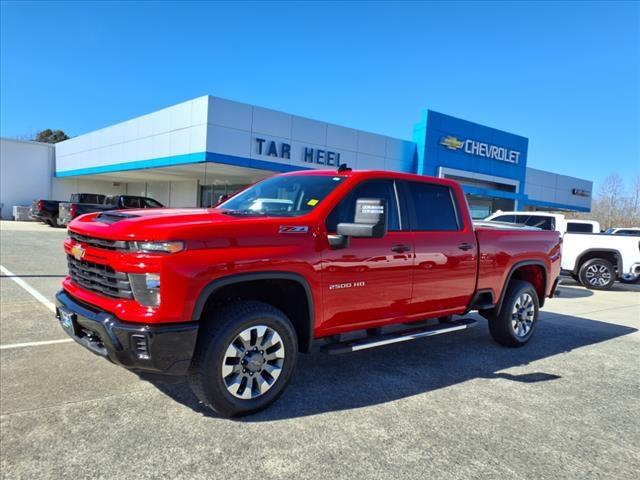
[420, 138]
[559, 206]
[137, 165]
[252, 163]
[199, 157]
[485, 192]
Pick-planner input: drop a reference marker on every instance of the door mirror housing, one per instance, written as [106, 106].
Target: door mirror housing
[370, 221]
[222, 198]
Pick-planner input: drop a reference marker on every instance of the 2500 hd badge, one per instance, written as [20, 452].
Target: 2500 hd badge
[228, 297]
[337, 286]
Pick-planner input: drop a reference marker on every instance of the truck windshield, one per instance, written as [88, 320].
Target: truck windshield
[286, 196]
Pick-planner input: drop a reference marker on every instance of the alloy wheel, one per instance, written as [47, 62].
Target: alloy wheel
[598, 275]
[253, 362]
[522, 315]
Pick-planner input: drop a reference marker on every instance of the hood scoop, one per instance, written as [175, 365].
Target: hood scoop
[113, 217]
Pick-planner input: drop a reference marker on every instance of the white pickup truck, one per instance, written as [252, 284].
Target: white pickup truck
[546, 221]
[595, 260]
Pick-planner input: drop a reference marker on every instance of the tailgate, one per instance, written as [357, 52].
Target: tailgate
[33, 211]
[64, 213]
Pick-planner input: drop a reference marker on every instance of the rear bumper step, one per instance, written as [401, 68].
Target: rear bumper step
[372, 341]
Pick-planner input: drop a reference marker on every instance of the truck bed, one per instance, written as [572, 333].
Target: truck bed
[504, 246]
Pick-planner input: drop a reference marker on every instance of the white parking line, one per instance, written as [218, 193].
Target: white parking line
[34, 293]
[42, 299]
[34, 344]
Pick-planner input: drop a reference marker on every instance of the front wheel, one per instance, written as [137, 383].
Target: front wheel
[244, 358]
[518, 317]
[597, 274]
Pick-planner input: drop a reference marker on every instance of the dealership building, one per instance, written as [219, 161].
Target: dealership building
[189, 154]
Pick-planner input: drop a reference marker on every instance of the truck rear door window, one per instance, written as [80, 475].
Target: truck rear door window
[434, 207]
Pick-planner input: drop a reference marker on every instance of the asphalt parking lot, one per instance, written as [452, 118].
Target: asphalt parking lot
[451, 407]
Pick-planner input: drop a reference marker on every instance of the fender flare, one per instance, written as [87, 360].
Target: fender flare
[616, 253]
[219, 283]
[513, 269]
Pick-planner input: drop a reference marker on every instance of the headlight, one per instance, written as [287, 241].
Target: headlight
[145, 288]
[156, 247]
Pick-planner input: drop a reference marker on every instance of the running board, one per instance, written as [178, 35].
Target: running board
[402, 336]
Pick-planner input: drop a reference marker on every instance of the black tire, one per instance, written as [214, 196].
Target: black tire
[597, 274]
[52, 222]
[220, 330]
[445, 319]
[501, 324]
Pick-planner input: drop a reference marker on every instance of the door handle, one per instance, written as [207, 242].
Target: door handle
[400, 248]
[465, 246]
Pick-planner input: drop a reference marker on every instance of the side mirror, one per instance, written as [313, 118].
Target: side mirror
[222, 198]
[370, 221]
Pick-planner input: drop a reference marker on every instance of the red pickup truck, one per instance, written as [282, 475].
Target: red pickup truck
[335, 260]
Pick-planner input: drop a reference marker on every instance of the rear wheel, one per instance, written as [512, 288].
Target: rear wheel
[244, 358]
[597, 274]
[518, 317]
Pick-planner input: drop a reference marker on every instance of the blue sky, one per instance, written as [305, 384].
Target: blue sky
[566, 75]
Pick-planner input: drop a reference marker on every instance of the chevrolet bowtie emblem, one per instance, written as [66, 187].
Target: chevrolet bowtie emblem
[452, 143]
[77, 251]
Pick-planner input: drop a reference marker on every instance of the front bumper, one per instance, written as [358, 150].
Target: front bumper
[164, 349]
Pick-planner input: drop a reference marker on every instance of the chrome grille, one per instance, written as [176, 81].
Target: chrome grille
[99, 278]
[99, 242]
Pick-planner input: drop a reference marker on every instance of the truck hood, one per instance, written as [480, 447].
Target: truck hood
[160, 223]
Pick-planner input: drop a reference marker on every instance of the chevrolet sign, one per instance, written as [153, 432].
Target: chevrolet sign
[481, 149]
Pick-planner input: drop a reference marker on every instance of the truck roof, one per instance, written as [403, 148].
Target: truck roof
[373, 174]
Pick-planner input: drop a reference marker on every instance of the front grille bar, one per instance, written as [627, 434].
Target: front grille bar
[99, 278]
[99, 242]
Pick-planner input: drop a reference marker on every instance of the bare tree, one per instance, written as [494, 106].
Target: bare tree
[611, 193]
[635, 197]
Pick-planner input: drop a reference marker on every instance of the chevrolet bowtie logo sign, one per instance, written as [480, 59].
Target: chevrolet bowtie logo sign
[480, 149]
[452, 143]
[77, 251]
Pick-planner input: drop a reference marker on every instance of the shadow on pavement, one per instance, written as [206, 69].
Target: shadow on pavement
[617, 287]
[325, 383]
[573, 292]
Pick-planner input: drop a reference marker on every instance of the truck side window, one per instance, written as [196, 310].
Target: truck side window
[545, 223]
[131, 202]
[504, 218]
[579, 227]
[434, 207]
[151, 203]
[346, 209]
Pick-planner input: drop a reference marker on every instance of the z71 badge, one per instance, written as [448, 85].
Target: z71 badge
[293, 229]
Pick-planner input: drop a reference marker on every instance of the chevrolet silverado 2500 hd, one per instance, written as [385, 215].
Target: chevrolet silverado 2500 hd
[335, 260]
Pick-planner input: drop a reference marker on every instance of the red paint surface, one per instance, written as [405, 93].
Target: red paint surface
[433, 278]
